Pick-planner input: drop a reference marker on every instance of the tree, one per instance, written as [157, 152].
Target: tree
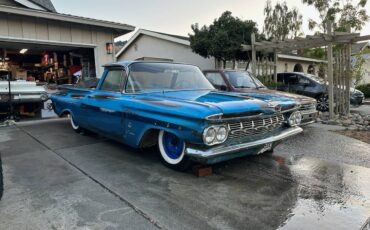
[342, 13]
[223, 38]
[358, 70]
[281, 22]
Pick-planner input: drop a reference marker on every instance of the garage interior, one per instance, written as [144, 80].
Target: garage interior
[46, 65]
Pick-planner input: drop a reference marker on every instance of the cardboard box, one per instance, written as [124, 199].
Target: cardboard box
[18, 73]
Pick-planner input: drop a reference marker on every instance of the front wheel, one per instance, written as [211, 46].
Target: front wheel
[74, 124]
[172, 150]
[323, 103]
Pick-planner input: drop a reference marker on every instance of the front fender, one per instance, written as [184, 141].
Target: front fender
[136, 125]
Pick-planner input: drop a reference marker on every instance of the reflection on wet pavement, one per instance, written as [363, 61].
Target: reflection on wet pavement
[328, 195]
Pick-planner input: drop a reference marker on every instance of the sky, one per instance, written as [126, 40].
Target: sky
[176, 16]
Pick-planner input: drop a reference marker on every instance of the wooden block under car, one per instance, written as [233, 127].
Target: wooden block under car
[202, 170]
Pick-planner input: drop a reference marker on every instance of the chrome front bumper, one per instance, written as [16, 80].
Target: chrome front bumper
[219, 151]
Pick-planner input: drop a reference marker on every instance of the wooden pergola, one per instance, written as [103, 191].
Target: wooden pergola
[312, 41]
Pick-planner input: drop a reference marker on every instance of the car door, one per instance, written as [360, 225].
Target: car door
[104, 107]
[217, 80]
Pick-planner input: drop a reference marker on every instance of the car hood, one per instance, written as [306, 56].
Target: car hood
[274, 95]
[200, 104]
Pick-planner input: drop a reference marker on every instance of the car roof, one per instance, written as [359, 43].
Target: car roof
[224, 70]
[127, 63]
[292, 72]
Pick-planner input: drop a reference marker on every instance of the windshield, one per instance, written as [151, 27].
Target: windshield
[243, 79]
[149, 77]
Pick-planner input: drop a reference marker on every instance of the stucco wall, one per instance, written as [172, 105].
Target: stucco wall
[151, 47]
[366, 76]
[40, 31]
[290, 65]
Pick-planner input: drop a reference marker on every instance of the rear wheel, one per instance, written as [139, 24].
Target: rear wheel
[172, 150]
[74, 124]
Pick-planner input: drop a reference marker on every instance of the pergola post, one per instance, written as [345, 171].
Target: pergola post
[348, 76]
[330, 72]
[275, 65]
[254, 53]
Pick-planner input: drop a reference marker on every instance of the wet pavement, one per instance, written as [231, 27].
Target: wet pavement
[55, 178]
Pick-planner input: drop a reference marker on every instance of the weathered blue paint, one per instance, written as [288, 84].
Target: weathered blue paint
[127, 117]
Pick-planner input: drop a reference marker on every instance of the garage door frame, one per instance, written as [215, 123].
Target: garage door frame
[55, 43]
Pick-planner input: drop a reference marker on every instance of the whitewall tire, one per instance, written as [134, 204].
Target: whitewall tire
[74, 125]
[172, 151]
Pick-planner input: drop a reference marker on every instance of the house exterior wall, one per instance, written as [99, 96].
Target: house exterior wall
[285, 65]
[366, 75]
[149, 47]
[15, 28]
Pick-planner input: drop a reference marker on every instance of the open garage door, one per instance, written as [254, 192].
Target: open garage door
[29, 65]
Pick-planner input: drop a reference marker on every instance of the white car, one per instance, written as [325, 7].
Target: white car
[23, 93]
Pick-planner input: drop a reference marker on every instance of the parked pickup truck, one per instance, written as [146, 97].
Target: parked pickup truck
[245, 83]
[23, 93]
[173, 106]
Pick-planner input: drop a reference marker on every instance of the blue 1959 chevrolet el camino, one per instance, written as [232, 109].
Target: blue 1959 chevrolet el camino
[143, 104]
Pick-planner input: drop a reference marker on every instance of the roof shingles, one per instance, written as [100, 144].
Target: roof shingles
[47, 4]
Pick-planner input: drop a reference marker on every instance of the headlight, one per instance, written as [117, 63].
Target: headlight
[209, 135]
[295, 119]
[216, 134]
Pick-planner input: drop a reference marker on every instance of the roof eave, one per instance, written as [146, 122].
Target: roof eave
[118, 27]
[152, 34]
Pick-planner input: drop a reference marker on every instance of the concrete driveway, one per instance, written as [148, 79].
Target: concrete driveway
[57, 179]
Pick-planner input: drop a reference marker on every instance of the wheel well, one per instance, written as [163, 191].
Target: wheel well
[149, 138]
[319, 95]
[65, 113]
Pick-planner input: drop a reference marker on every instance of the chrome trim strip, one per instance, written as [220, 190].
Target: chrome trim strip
[221, 150]
[307, 112]
[308, 123]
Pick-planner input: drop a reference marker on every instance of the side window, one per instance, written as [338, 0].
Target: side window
[303, 81]
[113, 81]
[216, 80]
[280, 77]
[292, 79]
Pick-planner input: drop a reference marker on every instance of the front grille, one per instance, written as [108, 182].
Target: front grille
[306, 107]
[255, 126]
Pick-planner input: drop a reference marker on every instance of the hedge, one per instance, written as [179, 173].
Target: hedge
[365, 89]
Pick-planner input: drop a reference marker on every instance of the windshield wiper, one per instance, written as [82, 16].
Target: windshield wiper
[243, 87]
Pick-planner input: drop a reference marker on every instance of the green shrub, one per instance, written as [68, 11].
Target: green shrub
[365, 89]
